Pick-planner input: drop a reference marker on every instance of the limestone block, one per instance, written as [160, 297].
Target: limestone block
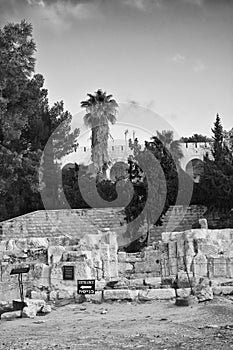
[136, 282]
[99, 285]
[204, 293]
[148, 266]
[121, 256]
[183, 292]
[200, 265]
[156, 294]
[133, 257]
[21, 243]
[53, 295]
[55, 254]
[223, 290]
[120, 294]
[123, 283]
[95, 298]
[125, 268]
[44, 276]
[65, 294]
[8, 316]
[46, 309]
[35, 294]
[29, 311]
[38, 303]
[203, 223]
[153, 281]
[229, 267]
[219, 267]
[38, 242]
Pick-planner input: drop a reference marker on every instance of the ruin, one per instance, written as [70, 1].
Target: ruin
[63, 246]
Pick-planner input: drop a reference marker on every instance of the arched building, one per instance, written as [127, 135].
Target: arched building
[119, 151]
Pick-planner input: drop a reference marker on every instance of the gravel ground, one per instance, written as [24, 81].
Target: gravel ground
[124, 325]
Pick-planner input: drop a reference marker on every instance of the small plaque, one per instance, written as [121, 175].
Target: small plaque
[86, 286]
[68, 273]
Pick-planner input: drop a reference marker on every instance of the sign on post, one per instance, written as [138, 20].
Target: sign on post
[86, 286]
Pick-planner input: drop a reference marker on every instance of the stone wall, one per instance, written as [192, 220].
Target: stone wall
[202, 252]
[93, 257]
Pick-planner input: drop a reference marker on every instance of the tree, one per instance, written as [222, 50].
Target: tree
[196, 138]
[27, 124]
[173, 146]
[100, 110]
[217, 150]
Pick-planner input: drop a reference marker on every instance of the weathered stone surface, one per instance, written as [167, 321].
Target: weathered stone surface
[184, 292]
[136, 282]
[38, 303]
[53, 295]
[200, 265]
[46, 309]
[8, 316]
[29, 311]
[125, 268]
[204, 291]
[121, 256]
[65, 294]
[156, 294]
[153, 281]
[95, 298]
[120, 294]
[223, 290]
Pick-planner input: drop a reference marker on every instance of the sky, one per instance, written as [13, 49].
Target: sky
[173, 57]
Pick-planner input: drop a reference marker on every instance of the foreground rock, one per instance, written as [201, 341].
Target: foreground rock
[8, 316]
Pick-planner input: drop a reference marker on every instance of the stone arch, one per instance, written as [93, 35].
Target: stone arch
[195, 168]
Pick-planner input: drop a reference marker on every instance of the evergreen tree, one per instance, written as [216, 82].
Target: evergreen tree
[217, 150]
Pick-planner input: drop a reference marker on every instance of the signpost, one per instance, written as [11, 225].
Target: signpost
[86, 287]
[19, 271]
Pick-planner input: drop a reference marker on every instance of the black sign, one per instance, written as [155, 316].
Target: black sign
[19, 270]
[68, 273]
[86, 286]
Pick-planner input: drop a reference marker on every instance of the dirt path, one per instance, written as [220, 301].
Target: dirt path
[151, 325]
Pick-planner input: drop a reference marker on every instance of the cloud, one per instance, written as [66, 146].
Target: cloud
[194, 2]
[178, 58]
[199, 66]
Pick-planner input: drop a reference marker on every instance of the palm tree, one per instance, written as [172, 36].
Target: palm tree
[100, 110]
[174, 147]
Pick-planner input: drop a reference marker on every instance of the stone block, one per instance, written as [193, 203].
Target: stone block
[147, 266]
[136, 282]
[121, 256]
[153, 281]
[29, 311]
[183, 292]
[120, 294]
[8, 316]
[38, 242]
[65, 294]
[35, 294]
[156, 294]
[99, 285]
[95, 298]
[200, 265]
[223, 290]
[53, 295]
[133, 257]
[46, 309]
[55, 254]
[219, 267]
[229, 267]
[124, 268]
[38, 303]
